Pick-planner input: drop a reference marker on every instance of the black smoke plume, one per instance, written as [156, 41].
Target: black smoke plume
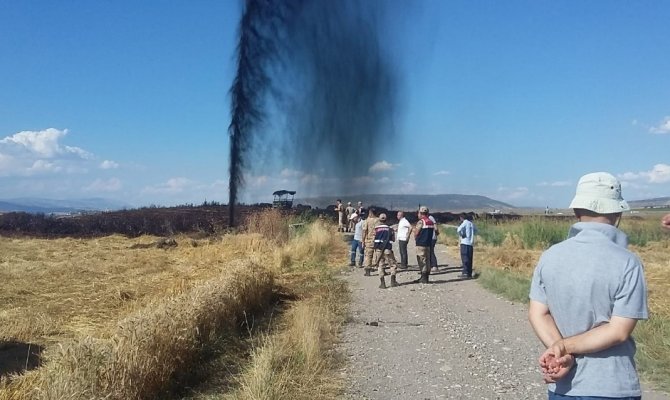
[314, 86]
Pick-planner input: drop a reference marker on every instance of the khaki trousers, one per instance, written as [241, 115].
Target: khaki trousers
[368, 254]
[385, 257]
[423, 257]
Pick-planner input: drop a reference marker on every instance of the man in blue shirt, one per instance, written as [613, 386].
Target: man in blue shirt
[466, 232]
[586, 296]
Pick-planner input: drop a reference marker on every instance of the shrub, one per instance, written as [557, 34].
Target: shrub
[270, 223]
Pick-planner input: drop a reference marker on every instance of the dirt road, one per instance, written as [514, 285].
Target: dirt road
[450, 339]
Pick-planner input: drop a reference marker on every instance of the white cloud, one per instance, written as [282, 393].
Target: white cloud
[6, 162]
[108, 164]
[256, 181]
[43, 143]
[362, 180]
[381, 166]
[660, 173]
[309, 179]
[507, 193]
[104, 185]
[407, 187]
[442, 172]
[290, 173]
[555, 183]
[43, 166]
[30, 153]
[172, 186]
[662, 128]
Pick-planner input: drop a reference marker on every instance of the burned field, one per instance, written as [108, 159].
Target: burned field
[157, 221]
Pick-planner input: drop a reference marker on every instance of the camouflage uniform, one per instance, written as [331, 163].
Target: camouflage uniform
[369, 226]
[340, 217]
[383, 250]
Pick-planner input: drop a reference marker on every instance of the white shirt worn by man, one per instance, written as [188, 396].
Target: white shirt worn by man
[430, 217]
[404, 227]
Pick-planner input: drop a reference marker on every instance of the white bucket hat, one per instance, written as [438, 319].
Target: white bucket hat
[599, 192]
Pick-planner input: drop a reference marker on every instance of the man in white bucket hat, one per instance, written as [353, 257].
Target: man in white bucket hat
[586, 296]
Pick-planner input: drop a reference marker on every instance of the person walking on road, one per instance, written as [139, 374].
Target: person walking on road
[357, 242]
[466, 232]
[369, 226]
[423, 232]
[586, 296]
[404, 230]
[384, 238]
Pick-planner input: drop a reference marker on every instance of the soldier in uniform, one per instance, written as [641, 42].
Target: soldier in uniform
[423, 232]
[384, 238]
[369, 239]
[339, 207]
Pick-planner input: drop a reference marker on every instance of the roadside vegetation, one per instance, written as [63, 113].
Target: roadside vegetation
[253, 314]
[506, 254]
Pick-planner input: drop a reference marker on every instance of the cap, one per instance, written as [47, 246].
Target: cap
[423, 210]
[382, 217]
[599, 192]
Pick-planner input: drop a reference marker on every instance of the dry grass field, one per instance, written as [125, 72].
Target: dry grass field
[119, 318]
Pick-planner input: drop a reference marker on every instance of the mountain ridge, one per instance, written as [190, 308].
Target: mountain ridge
[48, 206]
[435, 202]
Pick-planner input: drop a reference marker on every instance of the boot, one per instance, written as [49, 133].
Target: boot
[367, 272]
[394, 283]
[424, 277]
[382, 285]
[420, 279]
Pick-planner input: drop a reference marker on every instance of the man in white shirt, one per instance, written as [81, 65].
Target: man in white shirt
[357, 242]
[404, 229]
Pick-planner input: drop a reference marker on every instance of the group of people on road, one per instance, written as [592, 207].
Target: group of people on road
[346, 215]
[587, 292]
[373, 244]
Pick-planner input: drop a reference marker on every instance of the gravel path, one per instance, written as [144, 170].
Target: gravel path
[450, 339]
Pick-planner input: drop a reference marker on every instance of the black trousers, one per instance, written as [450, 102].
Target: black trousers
[433, 258]
[466, 259]
[402, 245]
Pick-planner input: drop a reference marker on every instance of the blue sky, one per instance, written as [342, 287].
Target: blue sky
[513, 100]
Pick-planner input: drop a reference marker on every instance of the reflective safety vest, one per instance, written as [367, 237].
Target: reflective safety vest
[383, 234]
[425, 236]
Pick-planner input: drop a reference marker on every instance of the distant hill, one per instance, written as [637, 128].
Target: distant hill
[657, 202]
[49, 206]
[435, 202]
